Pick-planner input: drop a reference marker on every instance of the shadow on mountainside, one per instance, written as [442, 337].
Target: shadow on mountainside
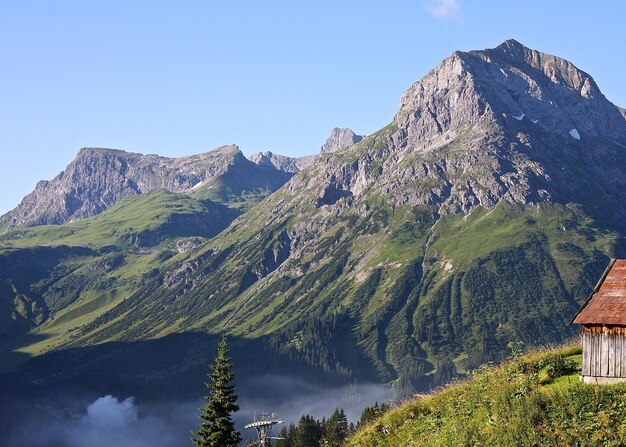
[174, 366]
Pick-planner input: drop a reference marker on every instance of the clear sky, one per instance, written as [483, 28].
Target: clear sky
[182, 77]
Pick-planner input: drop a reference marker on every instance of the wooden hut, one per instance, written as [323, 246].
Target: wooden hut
[603, 320]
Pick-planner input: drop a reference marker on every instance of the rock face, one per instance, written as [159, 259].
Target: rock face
[282, 162]
[337, 140]
[99, 178]
[496, 86]
[340, 139]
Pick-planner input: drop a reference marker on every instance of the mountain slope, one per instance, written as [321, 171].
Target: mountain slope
[532, 400]
[470, 221]
[49, 273]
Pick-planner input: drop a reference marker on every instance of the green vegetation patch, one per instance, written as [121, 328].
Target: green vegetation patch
[509, 405]
[142, 220]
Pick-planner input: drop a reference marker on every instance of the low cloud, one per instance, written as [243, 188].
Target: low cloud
[294, 398]
[108, 421]
[114, 421]
[445, 10]
[108, 412]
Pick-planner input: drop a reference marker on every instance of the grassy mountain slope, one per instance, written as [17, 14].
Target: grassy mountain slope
[143, 220]
[533, 400]
[56, 278]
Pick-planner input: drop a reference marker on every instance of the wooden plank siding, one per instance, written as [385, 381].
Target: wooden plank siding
[623, 363]
[604, 354]
[593, 345]
[585, 370]
[596, 358]
[611, 356]
[619, 342]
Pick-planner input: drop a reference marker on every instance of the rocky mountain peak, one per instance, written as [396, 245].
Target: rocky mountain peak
[100, 177]
[85, 151]
[504, 124]
[340, 138]
[497, 89]
[226, 150]
[513, 48]
[556, 69]
[283, 163]
[280, 162]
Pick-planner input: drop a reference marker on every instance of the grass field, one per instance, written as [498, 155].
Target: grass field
[531, 400]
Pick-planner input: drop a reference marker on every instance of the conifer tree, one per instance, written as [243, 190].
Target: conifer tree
[217, 428]
[371, 413]
[336, 429]
[351, 428]
[308, 433]
[286, 439]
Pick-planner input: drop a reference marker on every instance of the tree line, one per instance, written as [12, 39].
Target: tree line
[217, 429]
[331, 432]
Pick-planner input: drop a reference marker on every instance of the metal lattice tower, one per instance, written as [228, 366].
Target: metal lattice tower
[263, 423]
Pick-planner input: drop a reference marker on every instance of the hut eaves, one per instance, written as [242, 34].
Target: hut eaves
[607, 303]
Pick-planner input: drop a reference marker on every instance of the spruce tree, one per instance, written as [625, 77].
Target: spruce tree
[336, 429]
[285, 440]
[217, 428]
[308, 433]
[371, 413]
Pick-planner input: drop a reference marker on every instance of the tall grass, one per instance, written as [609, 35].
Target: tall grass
[531, 400]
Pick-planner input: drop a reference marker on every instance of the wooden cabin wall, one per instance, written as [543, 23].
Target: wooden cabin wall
[604, 352]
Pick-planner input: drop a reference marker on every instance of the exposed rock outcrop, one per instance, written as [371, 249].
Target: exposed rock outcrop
[282, 162]
[340, 139]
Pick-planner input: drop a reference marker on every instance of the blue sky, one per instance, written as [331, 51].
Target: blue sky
[181, 77]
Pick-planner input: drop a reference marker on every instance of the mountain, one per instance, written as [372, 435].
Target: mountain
[99, 178]
[282, 162]
[482, 214]
[340, 138]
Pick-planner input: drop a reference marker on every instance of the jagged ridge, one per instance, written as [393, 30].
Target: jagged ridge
[99, 178]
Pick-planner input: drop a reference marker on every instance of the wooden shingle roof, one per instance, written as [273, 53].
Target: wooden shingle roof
[607, 303]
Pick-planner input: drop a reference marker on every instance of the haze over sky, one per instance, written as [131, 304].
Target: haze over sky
[177, 78]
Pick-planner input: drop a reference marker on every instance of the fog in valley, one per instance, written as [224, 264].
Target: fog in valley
[108, 420]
